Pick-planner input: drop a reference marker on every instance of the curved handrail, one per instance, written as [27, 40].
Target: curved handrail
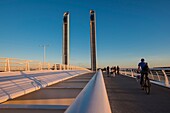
[155, 74]
[93, 98]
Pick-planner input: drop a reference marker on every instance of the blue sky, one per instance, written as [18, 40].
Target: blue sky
[127, 30]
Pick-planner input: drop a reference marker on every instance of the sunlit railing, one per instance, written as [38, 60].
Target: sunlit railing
[13, 64]
[161, 75]
[93, 98]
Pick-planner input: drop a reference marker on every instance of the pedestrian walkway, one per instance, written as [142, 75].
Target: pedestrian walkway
[126, 96]
[53, 99]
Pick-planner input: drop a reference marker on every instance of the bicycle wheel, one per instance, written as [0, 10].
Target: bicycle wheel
[147, 86]
[143, 85]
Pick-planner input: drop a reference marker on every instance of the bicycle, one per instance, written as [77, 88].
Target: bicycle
[146, 83]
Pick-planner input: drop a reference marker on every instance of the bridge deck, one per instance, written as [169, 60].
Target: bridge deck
[53, 99]
[126, 96]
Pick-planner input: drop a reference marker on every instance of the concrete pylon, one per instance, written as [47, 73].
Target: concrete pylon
[66, 36]
[93, 39]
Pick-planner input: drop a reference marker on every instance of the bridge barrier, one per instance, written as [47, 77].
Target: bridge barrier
[13, 64]
[15, 84]
[160, 76]
[93, 98]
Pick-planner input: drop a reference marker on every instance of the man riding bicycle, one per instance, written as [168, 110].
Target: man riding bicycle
[143, 69]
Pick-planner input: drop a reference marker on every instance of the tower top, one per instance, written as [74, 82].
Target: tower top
[92, 11]
[66, 13]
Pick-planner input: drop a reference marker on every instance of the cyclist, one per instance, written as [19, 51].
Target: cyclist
[143, 69]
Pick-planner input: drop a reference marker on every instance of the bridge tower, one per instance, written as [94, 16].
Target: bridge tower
[66, 36]
[93, 39]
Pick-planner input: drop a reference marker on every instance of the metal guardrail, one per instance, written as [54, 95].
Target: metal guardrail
[161, 75]
[13, 64]
[93, 98]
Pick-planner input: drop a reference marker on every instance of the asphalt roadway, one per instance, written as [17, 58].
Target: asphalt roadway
[126, 96]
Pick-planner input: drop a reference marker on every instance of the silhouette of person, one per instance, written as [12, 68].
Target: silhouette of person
[108, 70]
[117, 69]
[114, 70]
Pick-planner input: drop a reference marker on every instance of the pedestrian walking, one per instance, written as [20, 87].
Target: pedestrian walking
[118, 68]
[108, 71]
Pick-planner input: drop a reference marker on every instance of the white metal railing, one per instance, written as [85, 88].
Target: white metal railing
[13, 64]
[93, 98]
[161, 75]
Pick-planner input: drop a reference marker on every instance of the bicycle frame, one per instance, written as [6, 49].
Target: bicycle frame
[146, 83]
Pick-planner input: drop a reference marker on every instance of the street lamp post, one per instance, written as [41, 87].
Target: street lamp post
[44, 58]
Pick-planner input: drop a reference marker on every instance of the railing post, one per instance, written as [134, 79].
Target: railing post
[125, 72]
[55, 67]
[60, 67]
[26, 65]
[152, 75]
[40, 66]
[7, 66]
[166, 79]
[158, 76]
[65, 67]
[27, 68]
[48, 66]
[132, 74]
